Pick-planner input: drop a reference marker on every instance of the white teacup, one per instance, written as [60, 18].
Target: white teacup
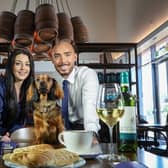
[78, 141]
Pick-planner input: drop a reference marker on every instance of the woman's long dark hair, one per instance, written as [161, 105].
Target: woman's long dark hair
[10, 95]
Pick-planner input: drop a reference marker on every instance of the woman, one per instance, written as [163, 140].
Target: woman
[14, 108]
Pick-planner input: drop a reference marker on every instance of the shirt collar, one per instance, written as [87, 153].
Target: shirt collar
[71, 77]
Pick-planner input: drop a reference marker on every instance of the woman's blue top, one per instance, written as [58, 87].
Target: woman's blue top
[18, 124]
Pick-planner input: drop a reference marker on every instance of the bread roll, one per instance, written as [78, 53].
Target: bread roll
[63, 157]
[19, 158]
[41, 156]
[33, 148]
[6, 156]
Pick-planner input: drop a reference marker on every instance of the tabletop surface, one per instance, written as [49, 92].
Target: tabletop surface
[143, 157]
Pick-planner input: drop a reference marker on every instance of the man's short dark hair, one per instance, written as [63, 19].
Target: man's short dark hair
[57, 41]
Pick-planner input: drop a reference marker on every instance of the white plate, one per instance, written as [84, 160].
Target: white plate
[90, 153]
[77, 164]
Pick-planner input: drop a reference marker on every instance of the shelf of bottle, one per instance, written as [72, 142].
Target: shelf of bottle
[114, 66]
[99, 47]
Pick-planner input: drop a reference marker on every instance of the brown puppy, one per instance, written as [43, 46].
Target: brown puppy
[48, 122]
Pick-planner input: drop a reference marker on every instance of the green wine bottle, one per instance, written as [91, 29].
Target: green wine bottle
[127, 125]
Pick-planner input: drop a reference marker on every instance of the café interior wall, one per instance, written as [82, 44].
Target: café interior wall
[115, 20]
[99, 18]
[136, 19]
[98, 15]
[108, 20]
[111, 20]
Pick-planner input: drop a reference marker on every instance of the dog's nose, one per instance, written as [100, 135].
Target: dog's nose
[43, 87]
[43, 84]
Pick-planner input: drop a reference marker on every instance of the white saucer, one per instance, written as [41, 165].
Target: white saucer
[90, 153]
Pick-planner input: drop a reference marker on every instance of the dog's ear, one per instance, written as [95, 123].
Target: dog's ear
[55, 91]
[29, 93]
[32, 93]
[58, 91]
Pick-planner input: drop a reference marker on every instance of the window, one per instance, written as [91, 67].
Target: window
[153, 83]
[146, 87]
[163, 92]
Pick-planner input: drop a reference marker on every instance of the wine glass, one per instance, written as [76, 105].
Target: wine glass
[110, 108]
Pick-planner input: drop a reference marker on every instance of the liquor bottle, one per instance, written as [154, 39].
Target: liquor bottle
[128, 135]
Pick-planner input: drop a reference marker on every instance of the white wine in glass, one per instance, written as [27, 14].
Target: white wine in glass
[110, 108]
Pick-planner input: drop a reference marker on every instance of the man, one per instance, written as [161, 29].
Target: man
[82, 86]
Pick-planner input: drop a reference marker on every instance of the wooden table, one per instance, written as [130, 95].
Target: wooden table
[147, 158]
[144, 157]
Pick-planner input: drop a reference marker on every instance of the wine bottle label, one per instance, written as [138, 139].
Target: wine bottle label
[128, 120]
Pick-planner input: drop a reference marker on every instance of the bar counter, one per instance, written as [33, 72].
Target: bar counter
[145, 158]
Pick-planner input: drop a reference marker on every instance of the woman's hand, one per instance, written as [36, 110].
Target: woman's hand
[6, 137]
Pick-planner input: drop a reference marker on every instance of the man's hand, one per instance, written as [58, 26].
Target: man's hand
[95, 139]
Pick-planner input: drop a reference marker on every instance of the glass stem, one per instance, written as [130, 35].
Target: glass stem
[111, 139]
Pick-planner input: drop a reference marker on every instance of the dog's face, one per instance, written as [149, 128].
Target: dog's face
[47, 88]
[43, 83]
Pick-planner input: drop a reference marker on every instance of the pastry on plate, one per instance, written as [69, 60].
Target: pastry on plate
[38, 156]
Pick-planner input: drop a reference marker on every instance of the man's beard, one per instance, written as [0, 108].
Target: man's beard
[64, 73]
